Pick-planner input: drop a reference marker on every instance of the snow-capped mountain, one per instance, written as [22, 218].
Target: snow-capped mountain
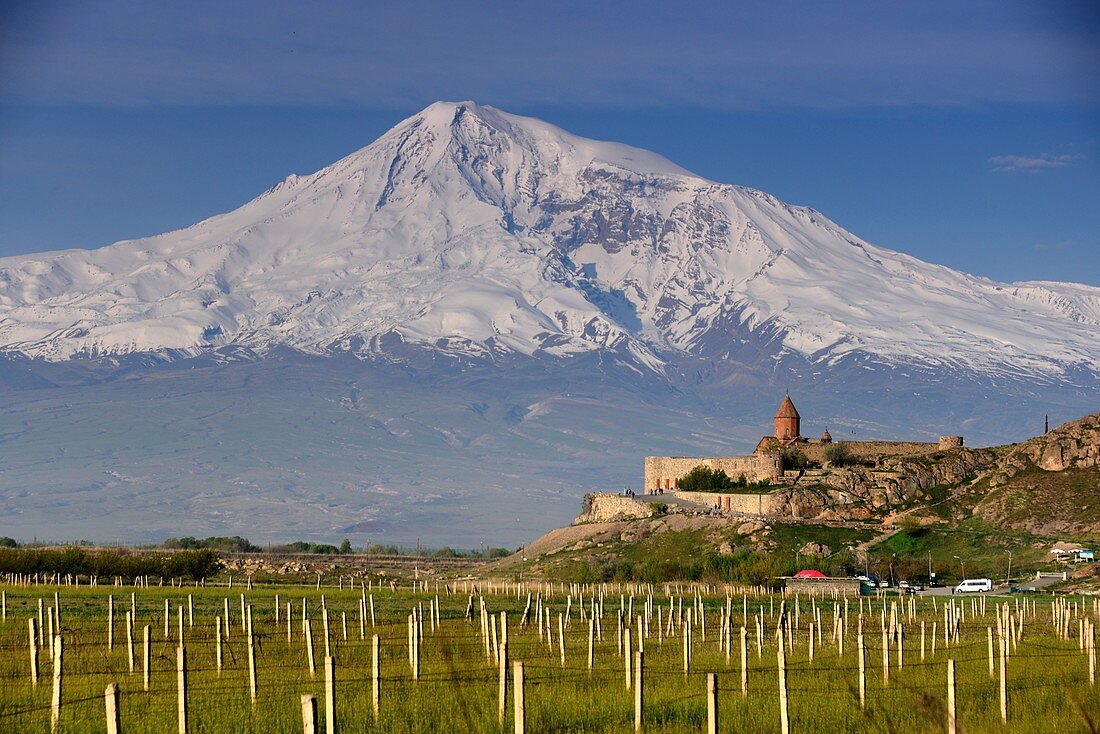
[479, 232]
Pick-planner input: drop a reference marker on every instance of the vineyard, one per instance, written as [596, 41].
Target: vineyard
[493, 656]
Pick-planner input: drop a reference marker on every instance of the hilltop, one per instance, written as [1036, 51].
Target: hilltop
[976, 504]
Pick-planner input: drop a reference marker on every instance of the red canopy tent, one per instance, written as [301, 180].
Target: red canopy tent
[810, 574]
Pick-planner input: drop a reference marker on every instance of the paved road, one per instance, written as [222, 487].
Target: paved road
[1033, 583]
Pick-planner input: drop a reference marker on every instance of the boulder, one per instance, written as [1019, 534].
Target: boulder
[815, 549]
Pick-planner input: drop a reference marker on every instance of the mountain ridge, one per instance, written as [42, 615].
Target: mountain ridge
[470, 230]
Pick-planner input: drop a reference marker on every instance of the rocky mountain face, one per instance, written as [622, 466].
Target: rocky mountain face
[477, 232]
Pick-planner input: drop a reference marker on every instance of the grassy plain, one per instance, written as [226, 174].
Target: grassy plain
[1048, 688]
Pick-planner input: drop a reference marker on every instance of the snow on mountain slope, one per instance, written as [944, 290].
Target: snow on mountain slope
[468, 229]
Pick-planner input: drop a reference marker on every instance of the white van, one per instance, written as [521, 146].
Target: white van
[974, 586]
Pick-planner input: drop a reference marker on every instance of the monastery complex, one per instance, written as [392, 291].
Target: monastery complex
[662, 473]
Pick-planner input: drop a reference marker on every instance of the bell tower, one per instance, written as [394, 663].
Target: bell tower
[787, 422]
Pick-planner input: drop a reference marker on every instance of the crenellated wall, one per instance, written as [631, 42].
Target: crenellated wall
[665, 471]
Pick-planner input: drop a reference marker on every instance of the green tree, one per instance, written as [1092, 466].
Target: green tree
[792, 459]
[704, 479]
[839, 454]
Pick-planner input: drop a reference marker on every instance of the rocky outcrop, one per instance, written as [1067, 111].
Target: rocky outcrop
[1074, 445]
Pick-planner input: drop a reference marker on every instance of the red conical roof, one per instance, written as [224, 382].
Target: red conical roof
[786, 409]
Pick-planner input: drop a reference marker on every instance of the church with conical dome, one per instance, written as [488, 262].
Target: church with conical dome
[788, 430]
[765, 464]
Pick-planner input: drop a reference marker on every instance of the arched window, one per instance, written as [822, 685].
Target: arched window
[786, 433]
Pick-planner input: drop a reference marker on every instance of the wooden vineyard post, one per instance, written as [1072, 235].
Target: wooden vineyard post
[309, 714]
[167, 618]
[744, 663]
[712, 702]
[687, 648]
[251, 669]
[901, 645]
[330, 695]
[781, 658]
[415, 648]
[885, 657]
[1092, 658]
[34, 652]
[145, 657]
[55, 704]
[110, 621]
[110, 703]
[561, 638]
[1004, 681]
[130, 641]
[591, 640]
[951, 726]
[181, 689]
[639, 657]
[375, 669]
[989, 638]
[309, 649]
[520, 706]
[218, 643]
[502, 683]
[626, 655]
[862, 672]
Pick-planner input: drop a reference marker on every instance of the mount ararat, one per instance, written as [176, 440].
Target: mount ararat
[483, 317]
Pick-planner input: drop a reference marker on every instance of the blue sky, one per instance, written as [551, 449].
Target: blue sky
[964, 133]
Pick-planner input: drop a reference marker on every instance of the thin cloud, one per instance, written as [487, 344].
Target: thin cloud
[1029, 164]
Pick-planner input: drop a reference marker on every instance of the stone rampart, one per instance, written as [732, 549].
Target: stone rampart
[869, 449]
[607, 507]
[746, 504]
[664, 472]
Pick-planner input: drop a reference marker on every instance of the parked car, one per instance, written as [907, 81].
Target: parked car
[974, 586]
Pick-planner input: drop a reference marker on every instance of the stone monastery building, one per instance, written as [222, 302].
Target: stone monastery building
[662, 473]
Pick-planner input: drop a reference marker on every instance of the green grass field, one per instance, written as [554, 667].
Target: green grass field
[1048, 685]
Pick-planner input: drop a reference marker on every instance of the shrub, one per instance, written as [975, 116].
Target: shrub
[194, 564]
[705, 479]
[792, 459]
[839, 454]
[234, 544]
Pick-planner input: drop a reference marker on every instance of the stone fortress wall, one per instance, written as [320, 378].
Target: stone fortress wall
[865, 449]
[664, 472]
